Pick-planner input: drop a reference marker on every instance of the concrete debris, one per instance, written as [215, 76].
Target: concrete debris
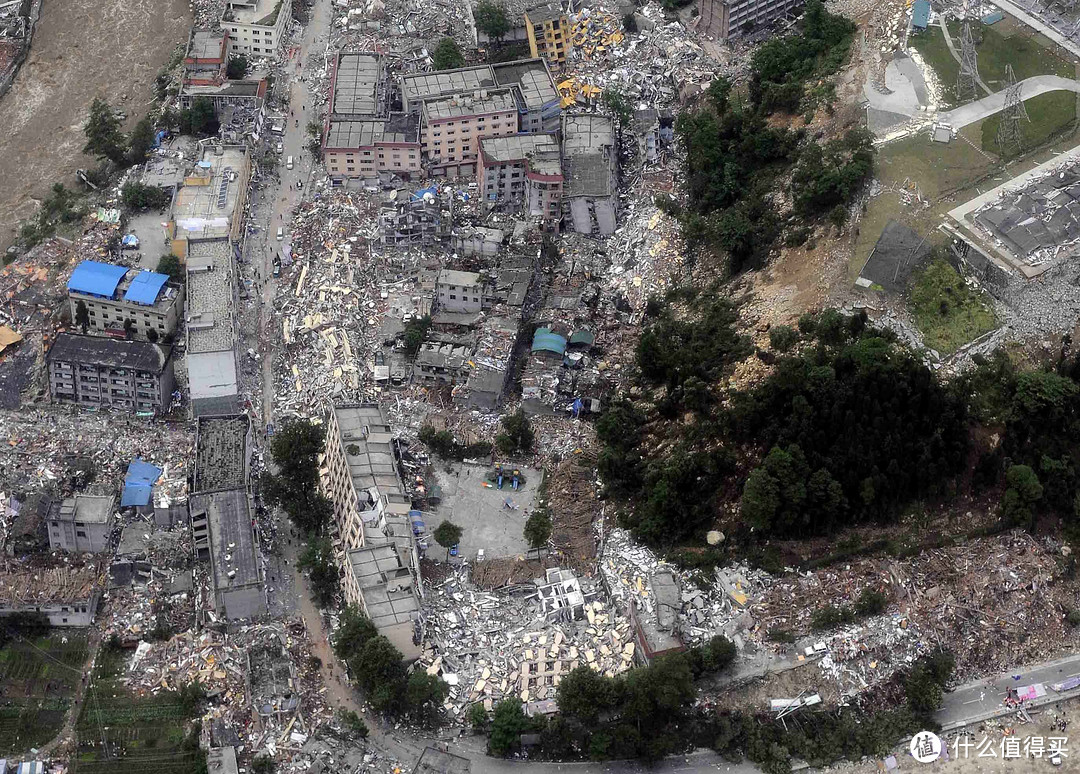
[521, 640]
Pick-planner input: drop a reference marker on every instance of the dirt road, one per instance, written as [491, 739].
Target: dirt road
[82, 49]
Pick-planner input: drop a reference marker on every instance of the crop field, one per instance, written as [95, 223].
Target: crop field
[37, 680]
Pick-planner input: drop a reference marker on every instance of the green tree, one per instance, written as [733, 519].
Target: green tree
[491, 19]
[295, 487]
[584, 694]
[782, 337]
[1023, 492]
[353, 632]
[538, 529]
[415, 333]
[380, 673]
[615, 100]
[103, 136]
[170, 265]
[199, 119]
[424, 697]
[447, 535]
[141, 141]
[517, 435]
[447, 55]
[318, 559]
[507, 725]
[353, 722]
[237, 68]
[263, 764]
[82, 315]
[140, 197]
[478, 716]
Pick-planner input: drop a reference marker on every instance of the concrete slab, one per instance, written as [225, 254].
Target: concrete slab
[481, 513]
[151, 233]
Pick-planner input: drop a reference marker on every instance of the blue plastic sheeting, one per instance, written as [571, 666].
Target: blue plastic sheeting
[993, 18]
[546, 341]
[130, 240]
[139, 482]
[96, 279]
[920, 14]
[145, 287]
[434, 191]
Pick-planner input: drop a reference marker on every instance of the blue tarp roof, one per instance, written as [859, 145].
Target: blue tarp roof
[993, 18]
[145, 287]
[546, 341]
[433, 190]
[96, 278]
[920, 14]
[138, 483]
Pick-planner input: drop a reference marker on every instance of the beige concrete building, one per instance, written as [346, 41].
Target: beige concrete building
[256, 27]
[117, 298]
[209, 205]
[362, 137]
[453, 126]
[727, 19]
[374, 541]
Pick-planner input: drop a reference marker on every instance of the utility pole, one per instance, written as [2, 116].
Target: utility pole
[967, 84]
[1010, 135]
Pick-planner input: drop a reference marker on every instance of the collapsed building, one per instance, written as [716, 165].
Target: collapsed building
[590, 168]
[724, 19]
[420, 217]
[206, 77]
[67, 596]
[523, 174]
[222, 514]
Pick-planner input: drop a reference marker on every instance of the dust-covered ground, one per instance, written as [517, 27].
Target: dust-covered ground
[81, 49]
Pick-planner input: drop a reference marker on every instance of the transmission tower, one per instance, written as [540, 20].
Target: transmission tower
[1010, 135]
[967, 84]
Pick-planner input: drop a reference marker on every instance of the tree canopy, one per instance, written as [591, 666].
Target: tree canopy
[447, 55]
[103, 136]
[295, 487]
[491, 19]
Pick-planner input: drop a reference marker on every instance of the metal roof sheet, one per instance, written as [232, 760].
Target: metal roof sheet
[145, 287]
[96, 279]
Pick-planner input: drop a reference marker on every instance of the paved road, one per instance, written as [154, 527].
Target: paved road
[988, 106]
[981, 700]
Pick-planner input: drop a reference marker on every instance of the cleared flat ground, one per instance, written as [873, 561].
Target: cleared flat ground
[82, 49]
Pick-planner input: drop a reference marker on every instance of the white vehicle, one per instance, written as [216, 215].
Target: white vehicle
[280, 233]
[289, 163]
[277, 129]
[280, 147]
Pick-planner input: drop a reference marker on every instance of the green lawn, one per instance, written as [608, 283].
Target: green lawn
[939, 168]
[1051, 114]
[947, 312]
[996, 45]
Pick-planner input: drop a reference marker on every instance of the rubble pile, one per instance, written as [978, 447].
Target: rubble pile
[331, 309]
[994, 602]
[628, 568]
[572, 502]
[488, 646]
[40, 446]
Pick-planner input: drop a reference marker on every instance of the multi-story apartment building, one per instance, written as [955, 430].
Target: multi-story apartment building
[222, 531]
[453, 125]
[549, 33]
[523, 173]
[420, 218]
[361, 136]
[474, 102]
[119, 300]
[256, 27]
[126, 375]
[726, 19]
[462, 291]
[81, 523]
[363, 148]
[209, 206]
[375, 541]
